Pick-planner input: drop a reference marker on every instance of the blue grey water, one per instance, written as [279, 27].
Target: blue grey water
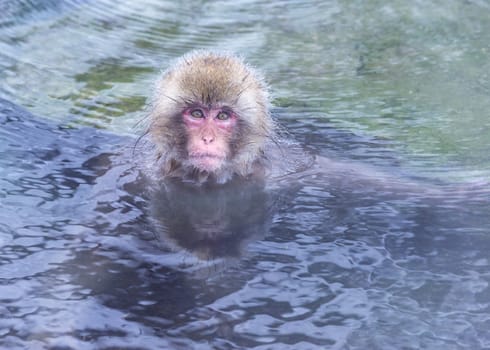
[90, 259]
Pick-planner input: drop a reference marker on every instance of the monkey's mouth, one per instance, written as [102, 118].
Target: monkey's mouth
[206, 161]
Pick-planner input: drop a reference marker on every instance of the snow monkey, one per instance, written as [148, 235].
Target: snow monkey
[209, 123]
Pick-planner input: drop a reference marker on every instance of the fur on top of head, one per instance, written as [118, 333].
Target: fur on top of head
[212, 79]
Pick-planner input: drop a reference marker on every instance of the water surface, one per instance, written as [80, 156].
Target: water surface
[89, 259]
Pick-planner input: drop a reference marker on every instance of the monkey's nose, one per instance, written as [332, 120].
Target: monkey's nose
[208, 139]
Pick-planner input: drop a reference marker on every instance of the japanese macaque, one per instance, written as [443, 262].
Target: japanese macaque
[209, 122]
[209, 119]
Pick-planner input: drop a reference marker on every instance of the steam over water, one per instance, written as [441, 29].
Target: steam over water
[90, 258]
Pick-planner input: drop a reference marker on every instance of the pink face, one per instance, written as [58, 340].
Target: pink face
[209, 132]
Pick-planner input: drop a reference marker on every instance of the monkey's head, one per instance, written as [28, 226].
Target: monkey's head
[209, 118]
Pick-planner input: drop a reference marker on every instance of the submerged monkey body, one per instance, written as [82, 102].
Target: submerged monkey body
[209, 119]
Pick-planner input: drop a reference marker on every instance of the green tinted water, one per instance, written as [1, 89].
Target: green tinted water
[414, 73]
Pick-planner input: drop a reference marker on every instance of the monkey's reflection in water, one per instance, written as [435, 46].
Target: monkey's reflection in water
[214, 221]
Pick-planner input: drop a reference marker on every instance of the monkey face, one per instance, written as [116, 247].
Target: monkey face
[210, 119]
[209, 134]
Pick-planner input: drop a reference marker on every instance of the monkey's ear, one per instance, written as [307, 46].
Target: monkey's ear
[173, 165]
[169, 166]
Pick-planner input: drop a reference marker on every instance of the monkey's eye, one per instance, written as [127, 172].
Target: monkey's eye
[197, 113]
[223, 116]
